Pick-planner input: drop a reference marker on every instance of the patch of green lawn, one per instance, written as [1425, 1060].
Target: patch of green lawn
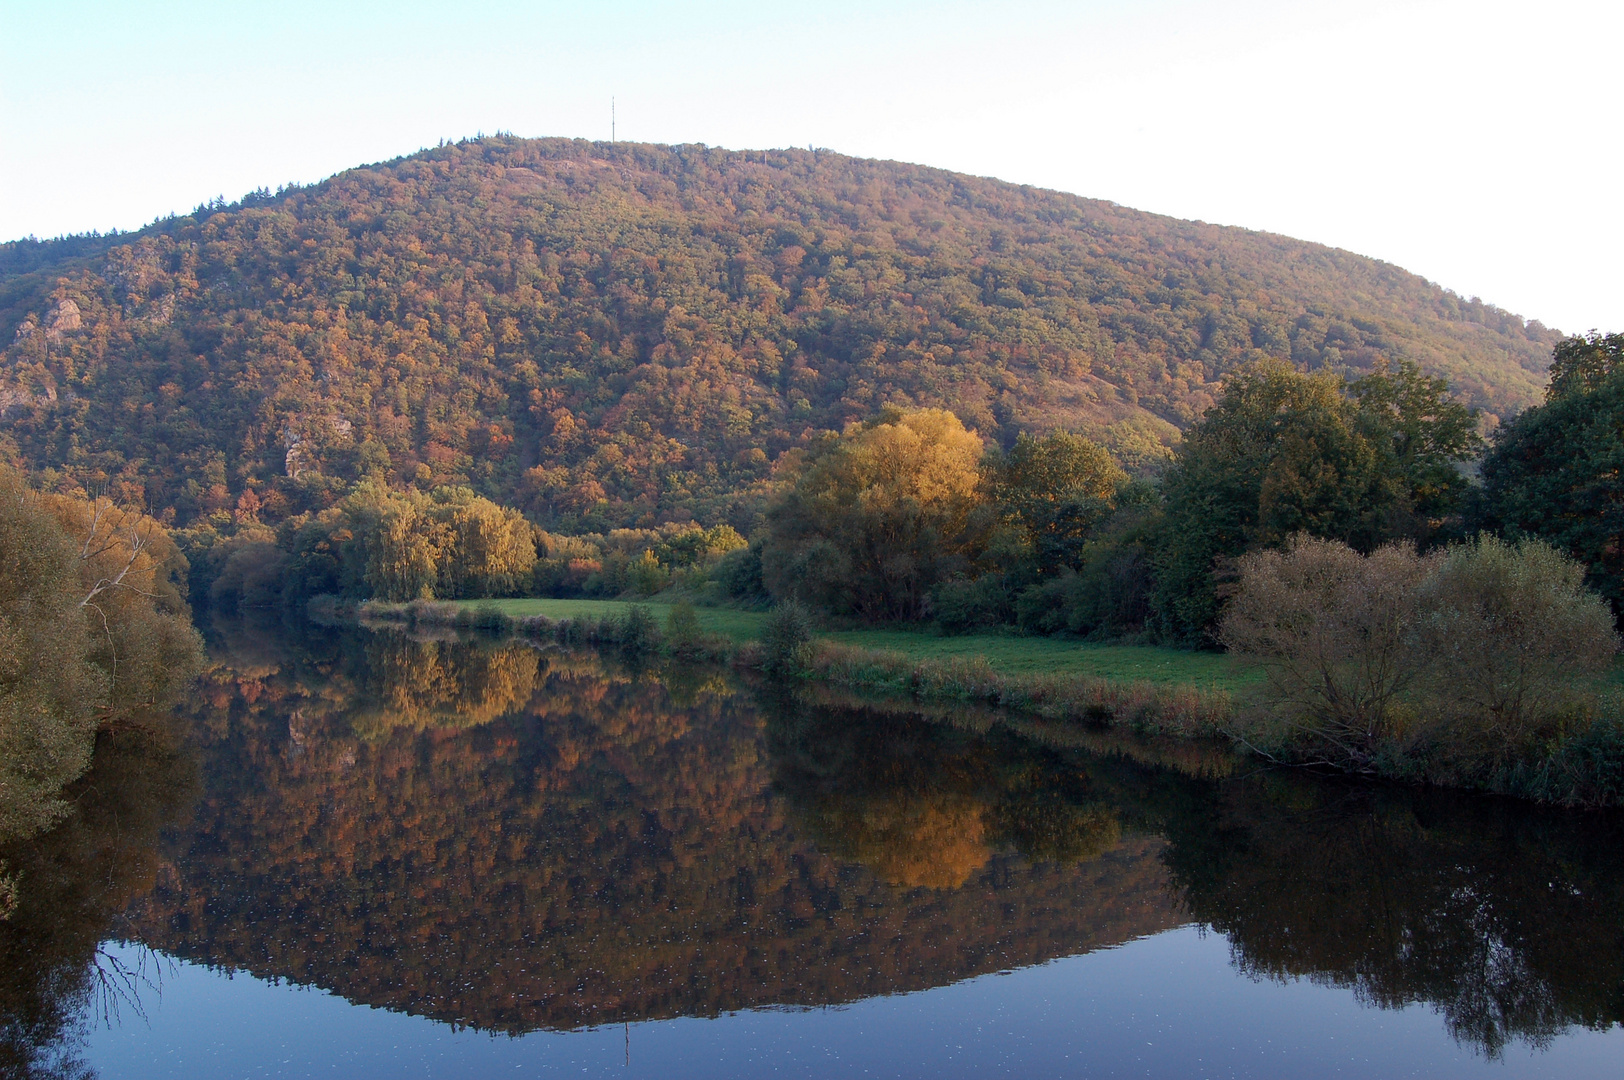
[1037, 656]
[1014, 655]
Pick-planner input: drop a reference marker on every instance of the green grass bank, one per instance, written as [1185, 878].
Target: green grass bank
[1004, 654]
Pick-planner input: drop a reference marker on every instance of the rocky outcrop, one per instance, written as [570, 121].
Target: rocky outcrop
[64, 318]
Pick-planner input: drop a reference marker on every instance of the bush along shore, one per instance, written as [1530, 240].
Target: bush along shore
[1585, 767]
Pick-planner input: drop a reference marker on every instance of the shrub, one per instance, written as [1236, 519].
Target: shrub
[1587, 769]
[638, 633]
[488, 616]
[786, 641]
[739, 573]
[1107, 596]
[646, 576]
[1334, 631]
[963, 607]
[682, 627]
[1510, 635]
[1455, 666]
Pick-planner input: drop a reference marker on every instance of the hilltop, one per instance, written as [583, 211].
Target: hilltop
[612, 334]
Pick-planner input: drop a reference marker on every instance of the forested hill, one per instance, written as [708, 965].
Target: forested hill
[616, 333]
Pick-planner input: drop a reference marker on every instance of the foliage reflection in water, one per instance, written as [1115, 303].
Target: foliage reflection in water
[510, 839]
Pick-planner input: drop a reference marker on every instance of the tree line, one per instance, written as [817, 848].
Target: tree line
[1410, 619]
[444, 544]
[912, 516]
[1387, 512]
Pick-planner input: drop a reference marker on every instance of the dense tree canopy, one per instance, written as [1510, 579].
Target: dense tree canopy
[376, 543]
[1054, 491]
[1285, 453]
[612, 335]
[93, 625]
[1557, 471]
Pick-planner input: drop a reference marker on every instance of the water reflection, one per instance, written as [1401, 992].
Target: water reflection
[926, 805]
[511, 839]
[1510, 923]
[73, 886]
[606, 847]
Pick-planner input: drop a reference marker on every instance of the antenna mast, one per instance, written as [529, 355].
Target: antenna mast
[611, 118]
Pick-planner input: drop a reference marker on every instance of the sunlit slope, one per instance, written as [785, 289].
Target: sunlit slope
[619, 331]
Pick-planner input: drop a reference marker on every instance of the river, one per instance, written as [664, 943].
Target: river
[361, 853]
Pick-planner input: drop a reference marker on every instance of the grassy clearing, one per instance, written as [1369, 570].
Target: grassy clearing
[1004, 654]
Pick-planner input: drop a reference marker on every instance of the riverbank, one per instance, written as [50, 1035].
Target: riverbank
[1007, 654]
[1142, 688]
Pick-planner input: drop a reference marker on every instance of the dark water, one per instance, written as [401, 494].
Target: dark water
[365, 855]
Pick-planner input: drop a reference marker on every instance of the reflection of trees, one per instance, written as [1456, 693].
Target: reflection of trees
[75, 880]
[609, 850]
[926, 805]
[637, 844]
[421, 684]
[369, 684]
[1509, 922]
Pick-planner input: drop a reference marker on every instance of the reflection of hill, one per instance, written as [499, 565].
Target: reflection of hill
[588, 844]
[609, 849]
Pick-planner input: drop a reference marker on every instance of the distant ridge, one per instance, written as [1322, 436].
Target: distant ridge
[621, 333]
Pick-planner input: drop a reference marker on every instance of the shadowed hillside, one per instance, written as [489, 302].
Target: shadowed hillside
[612, 334]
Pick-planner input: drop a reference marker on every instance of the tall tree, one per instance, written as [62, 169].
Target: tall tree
[1557, 471]
[1285, 453]
[877, 516]
[1055, 491]
[92, 625]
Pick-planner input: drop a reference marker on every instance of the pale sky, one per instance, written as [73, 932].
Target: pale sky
[1479, 143]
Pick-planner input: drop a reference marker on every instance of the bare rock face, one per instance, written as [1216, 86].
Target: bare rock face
[163, 311]
[63, 318]
[25, 331]
[15, 396]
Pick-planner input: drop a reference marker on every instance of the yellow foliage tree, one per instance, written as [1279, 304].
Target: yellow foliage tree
[877, 516]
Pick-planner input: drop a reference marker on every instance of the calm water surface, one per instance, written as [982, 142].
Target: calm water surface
[367, 855]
